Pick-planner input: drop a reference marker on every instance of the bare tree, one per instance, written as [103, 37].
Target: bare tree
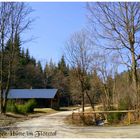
[106, 66]
[79, 55]
[14, 20]
[118, 25]
[3, 33]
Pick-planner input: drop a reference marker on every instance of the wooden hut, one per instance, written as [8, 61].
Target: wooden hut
[44, 97]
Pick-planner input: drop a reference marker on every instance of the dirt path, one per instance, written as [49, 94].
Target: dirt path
[53, 126]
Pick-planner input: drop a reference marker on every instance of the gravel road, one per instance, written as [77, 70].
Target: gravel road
[54, 126]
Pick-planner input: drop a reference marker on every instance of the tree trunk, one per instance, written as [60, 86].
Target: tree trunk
[134, 76]
[107, 100]
[135, 80]
[91, 103]
[2, 68]
[7, 87]
[83, 102]
[83, 94]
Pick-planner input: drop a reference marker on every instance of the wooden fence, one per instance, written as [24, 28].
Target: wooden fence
[106, 112]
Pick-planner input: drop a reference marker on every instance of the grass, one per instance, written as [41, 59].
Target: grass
[79, 121]
[8, 119]
[70, 108]
[45, 110]
[114, 119]
[88, 121]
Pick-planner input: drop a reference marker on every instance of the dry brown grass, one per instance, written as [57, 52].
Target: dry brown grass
[80, 120]
[45, 110]
[8, 119]
[88, 120]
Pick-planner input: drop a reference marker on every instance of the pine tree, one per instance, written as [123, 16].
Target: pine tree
[39, 67]
[62, 66]
[27, 56]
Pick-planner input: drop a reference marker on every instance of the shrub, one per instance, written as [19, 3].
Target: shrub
[31, 104]
[115, 117]
[28, 107]
[125, 103]
[11, 107]
[88, 119]
[79, 119]
[21, 109]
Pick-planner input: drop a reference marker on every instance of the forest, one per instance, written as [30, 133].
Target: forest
[103, 86]
[88, 72]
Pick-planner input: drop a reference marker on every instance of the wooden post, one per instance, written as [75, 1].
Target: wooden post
[129, 118]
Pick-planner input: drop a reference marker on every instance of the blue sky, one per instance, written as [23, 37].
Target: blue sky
[55, 22]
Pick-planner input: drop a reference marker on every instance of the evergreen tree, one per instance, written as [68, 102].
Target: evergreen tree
[39, 67]
[27, 56]
[63, 67]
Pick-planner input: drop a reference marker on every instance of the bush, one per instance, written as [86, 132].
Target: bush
[125, 103]
[79, 119]
[11, 107]
[115, 117]
[27, 107]
[21, 109]
[88, 119]
[31, 105]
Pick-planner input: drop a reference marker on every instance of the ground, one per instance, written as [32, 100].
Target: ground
[11, 118]
[54, 126]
